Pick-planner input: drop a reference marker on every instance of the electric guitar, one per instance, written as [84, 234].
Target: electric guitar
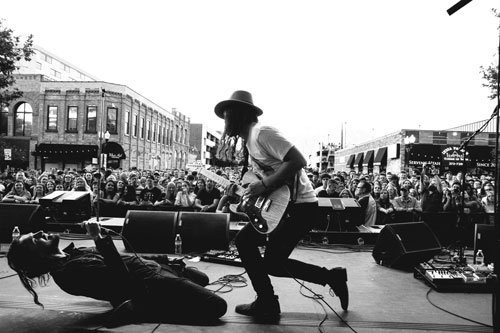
[265, 211]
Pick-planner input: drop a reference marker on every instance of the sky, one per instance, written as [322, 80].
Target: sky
[311, 66]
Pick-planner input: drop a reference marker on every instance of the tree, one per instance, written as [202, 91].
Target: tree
[490, 74]
[11, 52]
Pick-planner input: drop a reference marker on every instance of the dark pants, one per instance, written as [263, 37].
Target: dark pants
[281, 243]
[175, 297]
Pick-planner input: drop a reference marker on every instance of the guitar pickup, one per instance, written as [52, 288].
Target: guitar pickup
[259, 202]
[267, 205]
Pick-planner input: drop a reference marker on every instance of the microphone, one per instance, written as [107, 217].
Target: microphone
[106, 230]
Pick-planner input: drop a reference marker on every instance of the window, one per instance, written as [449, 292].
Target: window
[38, 65]
[160, 134]
[127, 123]
[66, 68]
[72, 122]
[24, 120]
[142, 128]
[185, 135]
[154, 133]
[52, 119]
[91, 125]
[4, 119]
[149, 129]
[134, 125]
[55, 73]
[111, 124]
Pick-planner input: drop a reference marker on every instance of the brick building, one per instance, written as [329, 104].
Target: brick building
[407, 149]
[59, 123]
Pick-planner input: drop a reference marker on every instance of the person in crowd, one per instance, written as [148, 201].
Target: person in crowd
[169, 196]
[18, 194]
[68, 182]
[59, 186]
[345, 193]
[324, 178]
[43, 179]
[139, 289]
[405, 203]
[279, 162]
[367, 203]
[488, 203]
[200, 183]
[414, 194]
[385, 209]
[208, 198]
[120, 186]
[392, 190]
[377, 187]
[39, 192]
[81, 185]
[150, 194]
[88, 178]
[128, 196]
[431, 192]
[449, 178]
[331, 191]
[50, 187]
[111, 194]
[184, 197]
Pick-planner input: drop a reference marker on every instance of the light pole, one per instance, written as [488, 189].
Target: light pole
[101, 159]
[408, 141]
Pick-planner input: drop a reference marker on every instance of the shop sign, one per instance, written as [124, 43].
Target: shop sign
[7, 153]
[452, 156]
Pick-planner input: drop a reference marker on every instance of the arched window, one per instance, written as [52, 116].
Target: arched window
[24, 120]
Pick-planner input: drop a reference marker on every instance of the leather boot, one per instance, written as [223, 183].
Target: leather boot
[264, 307]
[337, 280]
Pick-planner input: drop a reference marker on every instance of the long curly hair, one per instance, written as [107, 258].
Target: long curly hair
[236, 121]
[30, 267]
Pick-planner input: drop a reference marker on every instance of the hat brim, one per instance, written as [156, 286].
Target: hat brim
[219, 108]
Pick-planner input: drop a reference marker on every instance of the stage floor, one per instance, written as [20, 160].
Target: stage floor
[381, 300]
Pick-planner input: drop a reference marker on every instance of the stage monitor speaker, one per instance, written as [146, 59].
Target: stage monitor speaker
[204, 231]
[149, 231]
[484, 239]
[404, 245]
[28, 217]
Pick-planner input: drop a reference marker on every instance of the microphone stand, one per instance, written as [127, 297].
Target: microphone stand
[461, 223]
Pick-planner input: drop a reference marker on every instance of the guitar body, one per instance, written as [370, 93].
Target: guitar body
[265, 211]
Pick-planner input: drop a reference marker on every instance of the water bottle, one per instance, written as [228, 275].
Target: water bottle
[324, 240]
[16, 233]
[479, 257]
[361, 241]
[178, 244]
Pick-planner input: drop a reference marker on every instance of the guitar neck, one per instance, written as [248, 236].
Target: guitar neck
[220, 180]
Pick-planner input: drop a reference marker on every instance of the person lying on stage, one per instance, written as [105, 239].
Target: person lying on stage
[137, 288]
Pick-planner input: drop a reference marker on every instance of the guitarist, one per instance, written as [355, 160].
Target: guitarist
[277, 160]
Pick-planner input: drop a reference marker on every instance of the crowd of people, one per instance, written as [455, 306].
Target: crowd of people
[380, 195]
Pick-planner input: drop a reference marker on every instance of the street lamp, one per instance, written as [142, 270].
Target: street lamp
[408, 141]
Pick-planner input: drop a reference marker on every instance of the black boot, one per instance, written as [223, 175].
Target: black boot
[264, 307]
[337, 280]
[123, 314]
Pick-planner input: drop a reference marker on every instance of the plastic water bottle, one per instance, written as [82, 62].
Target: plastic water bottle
[324, 240]
[178, 244]
[16, 233]
[479, 257]
[361, 241]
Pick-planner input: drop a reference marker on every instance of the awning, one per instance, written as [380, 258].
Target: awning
[53, 150]
[350, 161]
[114, 150]
[380, 156]
[368, 160]
[359, 159]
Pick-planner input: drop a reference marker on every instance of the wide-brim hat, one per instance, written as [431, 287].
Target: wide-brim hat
[239, 98]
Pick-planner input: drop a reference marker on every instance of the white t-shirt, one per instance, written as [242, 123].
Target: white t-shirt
[267, 148]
